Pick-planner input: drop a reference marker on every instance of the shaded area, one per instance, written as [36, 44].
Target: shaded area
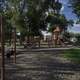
[42, 65]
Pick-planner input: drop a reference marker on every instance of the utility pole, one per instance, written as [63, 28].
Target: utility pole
[2, 49]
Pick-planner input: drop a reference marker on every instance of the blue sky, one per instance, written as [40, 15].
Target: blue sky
[70, 15]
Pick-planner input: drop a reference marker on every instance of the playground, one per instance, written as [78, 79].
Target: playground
[39, 40]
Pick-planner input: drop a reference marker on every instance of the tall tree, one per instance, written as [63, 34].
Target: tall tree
[75, 4]
[29, 16]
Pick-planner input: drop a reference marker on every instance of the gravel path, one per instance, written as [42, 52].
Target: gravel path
[42, 65]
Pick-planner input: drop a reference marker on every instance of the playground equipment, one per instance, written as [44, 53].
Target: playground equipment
[32, 42]
[56, 36]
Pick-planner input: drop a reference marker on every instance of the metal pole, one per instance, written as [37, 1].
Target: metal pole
[14, 44]
[2, 51]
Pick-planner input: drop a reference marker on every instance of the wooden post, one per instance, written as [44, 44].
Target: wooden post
[14, 43]
[39, 39]
[2, 49]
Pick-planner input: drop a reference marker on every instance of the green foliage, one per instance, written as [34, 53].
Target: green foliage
[56, 6]
[78, 39]
[76, 7]
[32, 21]
[7, 25]
[68, 35]
[36, 15]
[59, 20]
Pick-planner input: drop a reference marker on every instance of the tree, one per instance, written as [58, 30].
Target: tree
[33, 22]
[36, 7]
[56, 20]
[29, 16]
[78, 39]
[75, 4]
[36, 15]
[6, 23]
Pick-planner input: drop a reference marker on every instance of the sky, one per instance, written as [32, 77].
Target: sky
[69, 15]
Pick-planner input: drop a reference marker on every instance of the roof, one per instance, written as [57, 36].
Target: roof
[57, 29]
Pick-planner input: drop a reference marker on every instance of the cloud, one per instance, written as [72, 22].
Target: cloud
[64, 2]
[77, 25]
[75, 28]
[62, 9]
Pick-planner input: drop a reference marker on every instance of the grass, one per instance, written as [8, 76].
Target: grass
[73, 55]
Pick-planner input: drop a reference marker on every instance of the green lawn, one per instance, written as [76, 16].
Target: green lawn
[73, 55]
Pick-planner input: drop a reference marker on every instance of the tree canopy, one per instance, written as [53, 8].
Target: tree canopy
[75, 4]
[29, 16]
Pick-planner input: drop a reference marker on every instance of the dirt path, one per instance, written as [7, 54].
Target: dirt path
[42, 65]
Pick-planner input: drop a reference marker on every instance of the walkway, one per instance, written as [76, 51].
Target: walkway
[42, 65]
